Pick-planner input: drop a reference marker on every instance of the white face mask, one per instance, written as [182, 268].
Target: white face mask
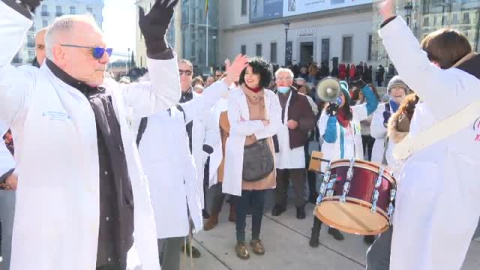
[283, 89]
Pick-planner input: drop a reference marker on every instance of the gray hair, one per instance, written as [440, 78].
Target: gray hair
[64, 24]
[287, 70]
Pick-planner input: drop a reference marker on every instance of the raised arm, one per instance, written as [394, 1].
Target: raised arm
[160, 93]
[435, 86]
[163, 90]
[15, 20]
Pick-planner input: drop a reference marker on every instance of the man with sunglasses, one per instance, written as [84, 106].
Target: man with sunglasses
[83, 200]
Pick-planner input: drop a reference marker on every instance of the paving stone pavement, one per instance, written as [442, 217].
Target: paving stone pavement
[286, 242]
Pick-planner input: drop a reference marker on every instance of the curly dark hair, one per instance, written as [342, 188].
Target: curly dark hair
[408, 105]
[261, 67]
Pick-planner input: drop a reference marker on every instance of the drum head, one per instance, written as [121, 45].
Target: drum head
[354, 216]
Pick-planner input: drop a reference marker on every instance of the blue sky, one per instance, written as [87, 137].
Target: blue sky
[119, 24]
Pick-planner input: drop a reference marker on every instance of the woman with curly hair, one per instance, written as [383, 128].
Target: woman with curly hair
[254, 116]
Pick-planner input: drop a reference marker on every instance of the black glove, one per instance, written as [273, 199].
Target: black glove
[154, 26]
[357, 81]
[332, 109]
[207, 149]
[31, 4]
[26, 7]
[386, 116]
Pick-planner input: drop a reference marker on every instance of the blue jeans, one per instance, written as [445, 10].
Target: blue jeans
[254, 200]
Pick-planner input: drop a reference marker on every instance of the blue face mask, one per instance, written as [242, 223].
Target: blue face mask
[283, 89]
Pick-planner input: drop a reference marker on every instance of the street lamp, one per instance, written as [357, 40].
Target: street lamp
[287, 26]
[408, 12]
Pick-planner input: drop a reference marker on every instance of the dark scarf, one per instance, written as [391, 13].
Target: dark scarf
[342, 118]
[255, 90]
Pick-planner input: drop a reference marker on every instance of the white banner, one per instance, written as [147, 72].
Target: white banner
[297, 7]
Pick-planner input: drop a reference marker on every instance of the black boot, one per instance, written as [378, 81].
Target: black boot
[314, 238]
[336, 234]
[278, 210]
[301, 212]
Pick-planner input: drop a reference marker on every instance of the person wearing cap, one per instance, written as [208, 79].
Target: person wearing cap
[397, 91]
[340, 128]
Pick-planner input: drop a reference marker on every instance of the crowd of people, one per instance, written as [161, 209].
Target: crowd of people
[115, 175]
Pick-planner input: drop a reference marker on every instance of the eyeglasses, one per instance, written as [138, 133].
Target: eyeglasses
[186, 72]
[280, 79]
[97, 52]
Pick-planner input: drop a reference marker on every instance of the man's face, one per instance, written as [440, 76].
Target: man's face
[80, 62]
[40, 46]
[186, 76]
[284, 79]
[218, 75]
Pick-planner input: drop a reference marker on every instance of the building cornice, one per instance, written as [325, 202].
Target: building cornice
[303, 17]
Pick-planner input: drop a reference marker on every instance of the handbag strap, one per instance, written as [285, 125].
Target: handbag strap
[438, 132]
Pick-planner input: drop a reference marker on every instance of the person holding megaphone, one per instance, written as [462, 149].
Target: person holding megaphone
[339, 126]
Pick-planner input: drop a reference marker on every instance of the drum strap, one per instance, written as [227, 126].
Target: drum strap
[439, 131]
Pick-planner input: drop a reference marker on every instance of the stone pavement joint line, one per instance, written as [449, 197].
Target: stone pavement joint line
[213, 255]
[308, 237]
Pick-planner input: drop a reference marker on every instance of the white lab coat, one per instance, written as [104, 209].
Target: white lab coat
[352, 144]
[57, 200]
[170, 167]
[240, 129]
[379, 132]
[437, 205]
[214, 139]
[199, 113]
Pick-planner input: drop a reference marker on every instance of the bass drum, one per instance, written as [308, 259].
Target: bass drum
[356, 197]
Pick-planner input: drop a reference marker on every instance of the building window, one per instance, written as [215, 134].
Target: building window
[244, 7]
[325, 50]
[273, 52]
[44, 23]
[466, 18]
[455, 18]
[258, 50]
[370, 43]
[243, 49]
[444, 20]
[59, 11]
[73, 10]
[31, 55]
[426, 21]
[347, 49]
[90, 10]
[434, 20]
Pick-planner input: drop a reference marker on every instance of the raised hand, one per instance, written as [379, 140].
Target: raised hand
[332, 109]
[154, 25]
[387, 9]
[235, 69]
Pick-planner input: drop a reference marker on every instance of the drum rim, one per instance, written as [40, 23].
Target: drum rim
[364, 165]
[357, 202]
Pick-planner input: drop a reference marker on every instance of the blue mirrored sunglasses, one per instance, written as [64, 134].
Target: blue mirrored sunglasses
[97, 52]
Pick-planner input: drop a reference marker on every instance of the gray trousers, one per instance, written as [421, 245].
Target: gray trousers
[7, 212]
[298, 177]
[378, 255]
[169, 250]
